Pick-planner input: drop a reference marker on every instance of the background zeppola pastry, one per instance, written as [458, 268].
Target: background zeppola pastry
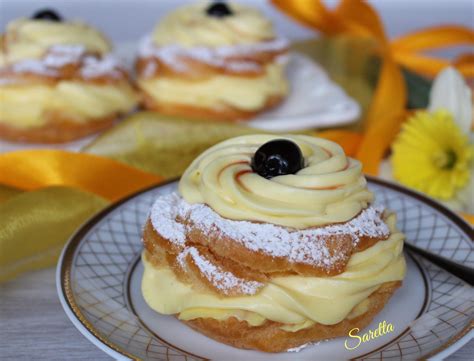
[218, 60]
[59, 81]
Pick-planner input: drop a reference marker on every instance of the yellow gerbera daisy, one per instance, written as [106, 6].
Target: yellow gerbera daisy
[432, 155]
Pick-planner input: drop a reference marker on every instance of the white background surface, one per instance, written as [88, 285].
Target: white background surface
[32, 323]
[128, 20]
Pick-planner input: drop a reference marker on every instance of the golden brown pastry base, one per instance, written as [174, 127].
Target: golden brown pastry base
[226, 113]
[270, 338]
[57, 129]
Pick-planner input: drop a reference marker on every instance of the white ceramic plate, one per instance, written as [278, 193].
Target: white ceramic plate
[99, 273]
[315, 101]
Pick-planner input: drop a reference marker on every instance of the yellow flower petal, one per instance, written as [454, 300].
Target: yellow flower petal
[432, 155]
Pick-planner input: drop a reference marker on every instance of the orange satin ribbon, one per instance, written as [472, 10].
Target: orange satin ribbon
[468, 217]
[387, 110]
[34, 169]
[350, 141]
[406, 48]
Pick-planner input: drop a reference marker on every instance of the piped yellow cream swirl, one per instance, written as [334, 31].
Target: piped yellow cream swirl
[329, 189]
[31, 39]
[191, 26]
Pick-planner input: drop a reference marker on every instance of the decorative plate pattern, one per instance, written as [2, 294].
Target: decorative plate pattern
[99, 272]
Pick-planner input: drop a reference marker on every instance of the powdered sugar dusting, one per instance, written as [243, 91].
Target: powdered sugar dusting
[223, 280]
[221, 57]
[304, 346]
[93, 67]
[34, 66]
[163, 217]
[59, 56]
[299, 348]
[7, 81]
[298, 246]
[150, 69]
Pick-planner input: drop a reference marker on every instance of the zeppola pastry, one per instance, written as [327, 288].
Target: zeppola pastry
[217, 61]
[58, 81]
[271, 243]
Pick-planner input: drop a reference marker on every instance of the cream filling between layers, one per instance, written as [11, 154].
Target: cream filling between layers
[79, 102]
[295, 301]
[218, 91]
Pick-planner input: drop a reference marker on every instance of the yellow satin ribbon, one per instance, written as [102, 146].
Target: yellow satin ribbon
[64, 190]
[34, 169]
[387, 110]
[35, 225]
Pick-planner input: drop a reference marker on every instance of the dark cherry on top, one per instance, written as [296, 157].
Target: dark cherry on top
[219, 9]
[277, 157]
[46, 14]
